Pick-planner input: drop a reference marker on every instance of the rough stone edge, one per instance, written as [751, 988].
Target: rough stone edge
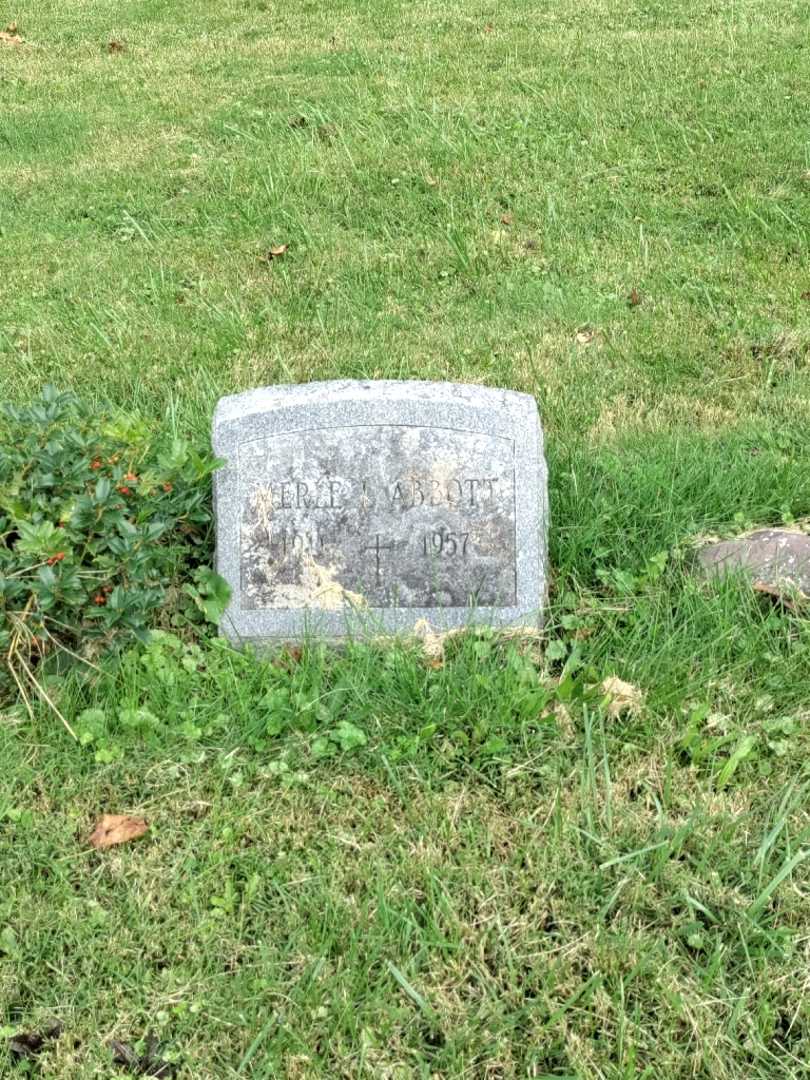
[284, 395]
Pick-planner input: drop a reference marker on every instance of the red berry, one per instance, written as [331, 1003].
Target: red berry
[131, 476]
[167, 487]
[95, 464]
[124, 490]
[56, 558]
[100, 599]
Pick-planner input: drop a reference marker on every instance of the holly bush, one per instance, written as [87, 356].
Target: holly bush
[103, 519]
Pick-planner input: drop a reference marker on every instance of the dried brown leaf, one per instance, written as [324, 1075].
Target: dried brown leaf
[115, 46]
[432, 641]
[506, 219]
[792, 600]
[624, 697]
[276, 251]
[633, 298]
[289, 658]
[585, 336]
[9, 36]
[563, 717]
[147, 1064]
[113, 829]
[27, 1044]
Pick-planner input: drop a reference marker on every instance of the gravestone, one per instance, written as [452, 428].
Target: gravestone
[348, 508]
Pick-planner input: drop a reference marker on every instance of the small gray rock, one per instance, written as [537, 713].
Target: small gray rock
[777, 558]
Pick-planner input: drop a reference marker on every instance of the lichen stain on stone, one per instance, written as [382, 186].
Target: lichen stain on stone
[261, 502]
[318, 587]
[443, 471]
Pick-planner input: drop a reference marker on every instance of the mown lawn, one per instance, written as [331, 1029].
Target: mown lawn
[604, 206]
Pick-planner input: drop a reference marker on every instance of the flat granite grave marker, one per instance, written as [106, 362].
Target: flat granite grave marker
[349, 508]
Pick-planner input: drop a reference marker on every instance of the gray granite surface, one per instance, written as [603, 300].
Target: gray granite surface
[350, 508]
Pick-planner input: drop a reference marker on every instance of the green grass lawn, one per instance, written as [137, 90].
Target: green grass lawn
[371, 863]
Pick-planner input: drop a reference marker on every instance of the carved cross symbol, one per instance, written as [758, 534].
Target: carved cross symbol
[378, 548]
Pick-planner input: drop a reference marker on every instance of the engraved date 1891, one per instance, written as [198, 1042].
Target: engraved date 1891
[445, 543]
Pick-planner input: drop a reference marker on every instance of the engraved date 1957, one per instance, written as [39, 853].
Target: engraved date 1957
[445, 543]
